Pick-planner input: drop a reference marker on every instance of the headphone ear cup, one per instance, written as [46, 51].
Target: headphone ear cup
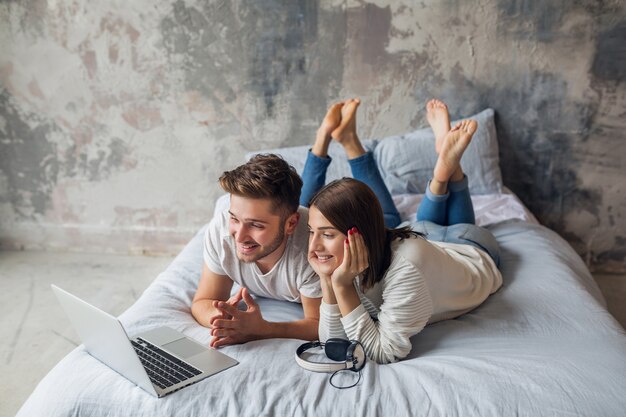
[356, 354]
[336, 349]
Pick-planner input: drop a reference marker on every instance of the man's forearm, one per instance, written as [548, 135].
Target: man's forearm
[202, 311]
[305, 329]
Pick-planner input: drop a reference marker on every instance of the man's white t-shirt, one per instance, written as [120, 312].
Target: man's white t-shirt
[291, 276]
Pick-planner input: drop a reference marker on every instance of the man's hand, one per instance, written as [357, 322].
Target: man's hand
[237, 326]
[219, 314]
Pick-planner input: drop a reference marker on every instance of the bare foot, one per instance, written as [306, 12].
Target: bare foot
[347, 128]
[329, 124]
[452, 148]
[332, 119]
[439, 120]
[345, 133]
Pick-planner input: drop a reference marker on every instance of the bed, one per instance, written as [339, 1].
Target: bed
[544, 344]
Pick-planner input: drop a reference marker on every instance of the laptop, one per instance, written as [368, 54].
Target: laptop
[160, 361]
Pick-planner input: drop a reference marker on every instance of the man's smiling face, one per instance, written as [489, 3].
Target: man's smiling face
[259, 233]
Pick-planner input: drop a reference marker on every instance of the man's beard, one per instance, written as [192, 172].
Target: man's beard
[280, 237]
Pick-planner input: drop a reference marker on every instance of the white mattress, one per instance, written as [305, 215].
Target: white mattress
[544, 344]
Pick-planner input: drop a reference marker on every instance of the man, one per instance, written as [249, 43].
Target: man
[261, 244]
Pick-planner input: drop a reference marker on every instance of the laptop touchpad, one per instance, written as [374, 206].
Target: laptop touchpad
[184, 348]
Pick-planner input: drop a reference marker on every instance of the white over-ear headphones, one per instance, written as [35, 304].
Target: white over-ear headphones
[348, 353]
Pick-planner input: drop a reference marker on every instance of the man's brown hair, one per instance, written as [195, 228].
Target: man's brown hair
[266, 176]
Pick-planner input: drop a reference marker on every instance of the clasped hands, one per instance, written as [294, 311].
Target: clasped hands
[231, 325]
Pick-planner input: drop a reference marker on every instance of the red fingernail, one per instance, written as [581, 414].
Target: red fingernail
[347, 242]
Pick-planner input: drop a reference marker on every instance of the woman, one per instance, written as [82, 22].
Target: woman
[381, 286]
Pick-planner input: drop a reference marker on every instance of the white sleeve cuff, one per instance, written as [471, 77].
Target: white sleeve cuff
[354, 317]
[330, 324]
[330, 309]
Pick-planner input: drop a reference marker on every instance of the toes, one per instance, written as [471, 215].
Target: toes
[434, 104]
[336, 106]
[350, 107]
[354, 102]
[472, 126]
[468, 126]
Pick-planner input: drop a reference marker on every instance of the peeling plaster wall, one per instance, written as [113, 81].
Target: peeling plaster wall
[116, 118]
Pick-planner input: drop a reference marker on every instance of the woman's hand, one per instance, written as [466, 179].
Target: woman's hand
[355, 260]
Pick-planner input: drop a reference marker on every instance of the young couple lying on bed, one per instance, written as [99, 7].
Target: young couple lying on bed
[379, 283]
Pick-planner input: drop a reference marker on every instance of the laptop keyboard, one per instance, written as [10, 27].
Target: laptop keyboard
[163, 369]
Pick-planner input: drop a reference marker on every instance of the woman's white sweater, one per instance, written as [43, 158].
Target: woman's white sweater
[426, 282]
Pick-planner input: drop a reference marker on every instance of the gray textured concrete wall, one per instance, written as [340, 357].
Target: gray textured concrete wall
[117, 117]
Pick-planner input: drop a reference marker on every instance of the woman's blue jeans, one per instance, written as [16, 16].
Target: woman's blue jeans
[363, 169]
[442, 218]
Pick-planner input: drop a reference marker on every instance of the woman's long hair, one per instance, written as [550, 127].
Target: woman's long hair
[348, 203]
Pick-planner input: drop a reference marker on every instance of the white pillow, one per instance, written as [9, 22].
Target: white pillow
[406, 162]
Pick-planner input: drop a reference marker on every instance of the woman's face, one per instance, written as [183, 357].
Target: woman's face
[325, 243]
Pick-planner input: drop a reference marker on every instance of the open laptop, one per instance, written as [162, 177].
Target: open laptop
[160, 361]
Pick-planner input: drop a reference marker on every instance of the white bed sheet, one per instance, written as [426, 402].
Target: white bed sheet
[544, 344]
